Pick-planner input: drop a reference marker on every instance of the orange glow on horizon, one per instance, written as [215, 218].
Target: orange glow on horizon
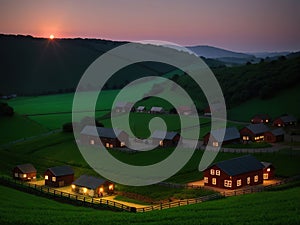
[51, 36]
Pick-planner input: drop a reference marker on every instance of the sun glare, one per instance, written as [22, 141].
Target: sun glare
[51, 36]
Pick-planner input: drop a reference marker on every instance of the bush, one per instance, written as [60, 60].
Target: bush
[6, 110]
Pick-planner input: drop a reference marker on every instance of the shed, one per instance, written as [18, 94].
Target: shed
[234, 173]
[141, 109]
[286, 120]
[92, 186]
[59, 176]
[109, 137]
[24, 172]
[232, 135]
[254, 132]
[157, 110]
[276, 135]
[261, 118]
[165, 139]
[268, 171]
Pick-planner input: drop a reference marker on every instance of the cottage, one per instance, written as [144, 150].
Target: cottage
[109, 138]
[141, 109]
[232, 135]
[123, 107]
[92, 186]
[185, 110]
[59, 176]
[254, 132]
[234, 173]
[286, 120]
[261, 118]
[157, 110]
[273, 136]
[168, 140]
[24, 172]
[268, 171]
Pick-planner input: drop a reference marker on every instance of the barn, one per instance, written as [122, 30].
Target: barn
[59, 176]
[169, 139]
[24, 172]
[268, 171]
[157, 110]
[234, 173]
[276, 135]
[286, 120]
[109, 138]
[232, 135]
[123, 107]
[141, 109]
[261, 118]
[254, 132]
[92, 186]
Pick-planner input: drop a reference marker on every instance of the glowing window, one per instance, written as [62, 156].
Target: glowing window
[16, 174]
[248, 180]
[122, 144]
[214, 181]
[268, 169]
[54, 179]
[161, 143]
[227, 183]
[215, 144]
[239, 182]
[111, 187]
[73, 186]
[84, 190]
[218, 172]
[92, 142]
[24, 175]
[46, 177]
[205, 179]
[101, 190]
[266, 176]
[111, 146]
[212, 172]
[256, 178]
[107, 145]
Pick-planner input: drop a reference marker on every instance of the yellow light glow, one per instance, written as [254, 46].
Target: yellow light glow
[84, 190]
[101, 189]
[73, 186]
[111, 187]
[46, 177]
[24, 175]
[51, 36]
[268, 169]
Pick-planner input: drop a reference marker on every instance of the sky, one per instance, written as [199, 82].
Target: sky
[238, 25]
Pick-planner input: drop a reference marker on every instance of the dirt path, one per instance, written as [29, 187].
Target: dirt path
[111, 198]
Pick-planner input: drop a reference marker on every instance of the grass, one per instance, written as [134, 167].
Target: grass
[249, 145]
[126, 199]
[260, 208]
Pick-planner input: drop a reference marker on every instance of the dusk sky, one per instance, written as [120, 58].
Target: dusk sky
[239, 25]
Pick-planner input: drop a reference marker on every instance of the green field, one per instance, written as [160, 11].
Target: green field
[280, 207]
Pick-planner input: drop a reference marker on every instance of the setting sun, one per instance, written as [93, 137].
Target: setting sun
[51, 36]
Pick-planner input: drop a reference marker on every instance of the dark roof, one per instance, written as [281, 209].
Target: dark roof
[277, 132]
[159, 134]
[231, 133]
[89, 181]
[240, 165]
[61, 170]
[141, 108]
[258, 128]
[288, 119]
[26, 168]
[266, 164]
[100, 132]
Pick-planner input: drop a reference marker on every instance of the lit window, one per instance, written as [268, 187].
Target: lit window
[111, 146]
[84, 190]
[24, 175]
[256, 178]
[261, 137]
[268, 169]
[16, 174]
[218, 172]
[248, 180]
[107, 145]
[214, 181]
[266, 176]
[239, 182]
[46, 177]
[212, 172]
[206, 180]
[101, 189]
[92, 142]
[54, 179]
[122, 144]
[161, 143]
[73, 186]
[267, 121]
[227, 183]
[111, 187]
[215, 144]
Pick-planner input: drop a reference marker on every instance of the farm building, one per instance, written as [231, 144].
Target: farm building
[168, 140]
[141, 109]
[124, 107]
[207, 111]
[286, 120]
[59, 176]
[268, 171]
[185, 110]
[92, 186]
[261, 118]
[234, 173]
[232, 135]
[276, 135]
[109, 138]
[24, 172]
[254, 132]
[157, 110]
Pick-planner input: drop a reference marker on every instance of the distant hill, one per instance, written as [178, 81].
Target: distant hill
[269, 54]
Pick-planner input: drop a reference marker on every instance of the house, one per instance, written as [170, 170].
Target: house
[141, 109]
[286, 120]
[92, 186]
[124, 107]
[207, 111]
[165, 139]
[109, 138]
[157, 110]
[261, 118]
[184, 110]
[24, 172]
[273, 136]
[59, 176]
[232, 135]
[254, 132]
[268, 171]
[234, 173]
